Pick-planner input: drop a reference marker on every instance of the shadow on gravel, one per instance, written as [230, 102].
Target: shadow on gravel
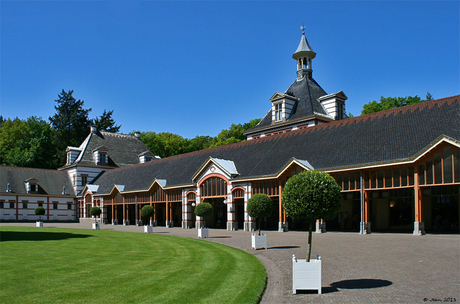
[350, 284]
[220, 237]
[283, 247]
[361, 284]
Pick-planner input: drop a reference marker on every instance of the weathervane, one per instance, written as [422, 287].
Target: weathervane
[302, 29]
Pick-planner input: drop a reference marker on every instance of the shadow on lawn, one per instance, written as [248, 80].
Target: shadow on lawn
[38, 236]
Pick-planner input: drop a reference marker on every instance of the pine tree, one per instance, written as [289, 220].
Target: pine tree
[106, 123]
[71, 121]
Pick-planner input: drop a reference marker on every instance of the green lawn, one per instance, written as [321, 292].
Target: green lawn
[40, 265]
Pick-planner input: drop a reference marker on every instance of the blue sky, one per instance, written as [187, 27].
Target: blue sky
[194, 68]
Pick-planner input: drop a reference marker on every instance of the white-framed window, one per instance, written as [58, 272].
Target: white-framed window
[278, 111]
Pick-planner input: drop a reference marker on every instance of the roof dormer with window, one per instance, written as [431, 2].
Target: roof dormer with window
[282, 106]
[72, 154]
[31, 185]
[101, 156]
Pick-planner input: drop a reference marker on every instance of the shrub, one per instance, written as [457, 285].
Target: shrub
[39, 211]
[260, 205]
[311, 195]
[147, 211]
[203, 209]
[95, 211]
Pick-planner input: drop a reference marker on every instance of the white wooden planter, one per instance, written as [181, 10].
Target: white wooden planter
[95, 226]
[39, 223]
[148, 229]
[203, 232]
[258, 241]
[306, 275]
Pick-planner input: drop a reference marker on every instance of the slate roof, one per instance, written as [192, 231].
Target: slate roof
[50, 182]
[123, 150]
[386, 136]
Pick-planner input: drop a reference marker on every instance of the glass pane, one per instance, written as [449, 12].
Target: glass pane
[457, 166]
[421, 174]
[352, 181]
[380, 178]
[388, 176]
[373, 179]
[366, 180]
[404, 176]
[396, 177]
[339, 180]
[345, 181]
[411, 175]
[447, 164]
[437, 169]
[429, 172]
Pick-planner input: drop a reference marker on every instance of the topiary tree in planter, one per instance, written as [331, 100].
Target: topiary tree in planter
[148, 211]
[39, 211]
[259, 205]
[311, 195]
[95, 211]
[204, 210]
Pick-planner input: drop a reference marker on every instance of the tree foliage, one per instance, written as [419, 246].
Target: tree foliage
[27, 143]
[71, 121]
[39, 211]
[387, 103]
[166, 144]
[260, 205]
[147, 211]
[106, 123]
[311, 195]
[95, 211]
[204, 209]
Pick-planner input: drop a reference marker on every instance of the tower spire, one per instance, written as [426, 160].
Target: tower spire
[303, 55]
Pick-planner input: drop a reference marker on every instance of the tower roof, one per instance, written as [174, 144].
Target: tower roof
[304, 49]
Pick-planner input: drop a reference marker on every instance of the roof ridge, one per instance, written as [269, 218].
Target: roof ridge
[117, 134]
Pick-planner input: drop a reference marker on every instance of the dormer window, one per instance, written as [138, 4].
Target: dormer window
[72, 154]
[101, 156]
[31, 185]
[282, 106]
[145, 157]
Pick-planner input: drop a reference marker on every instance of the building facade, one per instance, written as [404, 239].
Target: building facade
[399, 169]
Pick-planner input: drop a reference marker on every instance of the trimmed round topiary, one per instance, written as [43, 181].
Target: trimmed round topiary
[311, 195]
[260, 205]
[147, 211]
[204, 209]
[39, 211]
[95, 211]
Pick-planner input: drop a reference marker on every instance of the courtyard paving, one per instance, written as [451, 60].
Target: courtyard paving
[374, 268]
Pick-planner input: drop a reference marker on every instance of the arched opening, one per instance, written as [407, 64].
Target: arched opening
[214, 191]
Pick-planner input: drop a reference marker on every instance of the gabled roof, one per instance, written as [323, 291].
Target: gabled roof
[123, 150]
[390, 136]
[50, 182]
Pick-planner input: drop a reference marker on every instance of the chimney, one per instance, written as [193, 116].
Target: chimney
[138, 135]
[93, 129]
